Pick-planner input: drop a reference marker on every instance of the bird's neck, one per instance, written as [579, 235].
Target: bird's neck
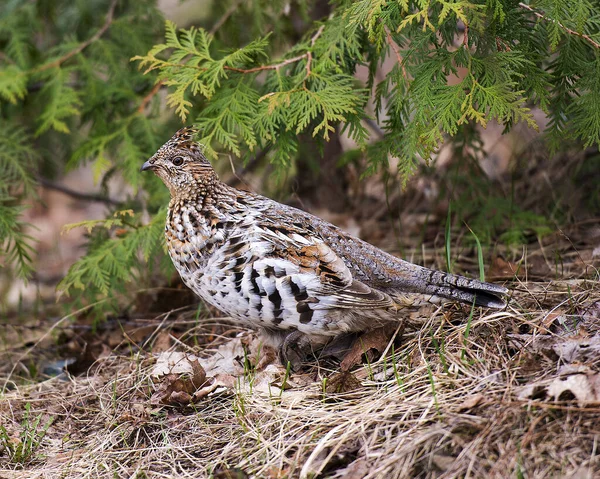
[204, 193]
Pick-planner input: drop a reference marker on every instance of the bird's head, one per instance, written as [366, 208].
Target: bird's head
[180, 164]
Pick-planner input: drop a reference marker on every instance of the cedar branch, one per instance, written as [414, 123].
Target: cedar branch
[149, 96]
[392, 44]
[566, 29]
[83, 45]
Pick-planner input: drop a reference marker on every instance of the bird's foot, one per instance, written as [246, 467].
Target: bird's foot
[294, 349]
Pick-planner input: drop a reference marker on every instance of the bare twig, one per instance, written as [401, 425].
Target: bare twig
[144, 103]
[309, 56]
[392, 44]
[566, 29]
[276, 66]
[232, 8]
[6, 58]
[266, 67]
[83, 45]
[51, 185]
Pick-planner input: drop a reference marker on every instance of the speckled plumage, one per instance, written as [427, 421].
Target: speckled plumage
[281, 270]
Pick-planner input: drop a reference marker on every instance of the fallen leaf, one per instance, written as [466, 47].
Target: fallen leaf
[471, 401]
[376, 339]
[162, 342]
[443, 462]
[500, 269]
[357, 469]
[342, 382]
[181, 377]
[574, 384]
[229, 473]
[577, 348]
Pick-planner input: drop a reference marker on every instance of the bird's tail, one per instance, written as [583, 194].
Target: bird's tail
[454, 287]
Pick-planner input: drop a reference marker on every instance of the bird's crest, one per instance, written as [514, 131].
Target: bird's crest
[184, 139]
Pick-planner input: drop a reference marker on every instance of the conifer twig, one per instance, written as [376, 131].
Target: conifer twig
[276, 66]
[83, 45]
[6, 58]
[144, 103]
[51, 185]
[566, 29]
[266, 67]
[219, 23]
[392, 44]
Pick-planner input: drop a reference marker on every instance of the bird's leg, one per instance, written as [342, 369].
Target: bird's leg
[294, 349]
[339, 347]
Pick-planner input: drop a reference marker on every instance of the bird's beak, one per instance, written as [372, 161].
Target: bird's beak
[147, 166]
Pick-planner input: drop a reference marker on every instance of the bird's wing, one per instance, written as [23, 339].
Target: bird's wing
[303, 263]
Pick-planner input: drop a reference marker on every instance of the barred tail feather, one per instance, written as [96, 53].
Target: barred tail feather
[455, 287]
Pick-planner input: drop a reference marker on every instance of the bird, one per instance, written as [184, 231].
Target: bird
[296, 278]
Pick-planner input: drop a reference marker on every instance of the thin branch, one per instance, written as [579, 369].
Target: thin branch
[566, 29]
[266, 67]
[155, 89]
[51, 185]
[375, 127]
[232, 8]
[83, 45]
[307, 55]
[316, 35]
[392, 44]
[6, 58]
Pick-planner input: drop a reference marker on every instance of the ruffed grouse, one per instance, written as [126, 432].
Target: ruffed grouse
[296, 278]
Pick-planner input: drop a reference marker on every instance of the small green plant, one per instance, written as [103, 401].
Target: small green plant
[440, 349]
[250, 367]
[397, 375]
[433, 390]
[288, 371]
[479, 255]
[23, 449]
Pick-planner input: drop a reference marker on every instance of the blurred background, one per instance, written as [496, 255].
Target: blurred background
[460, 135]
[86, 97]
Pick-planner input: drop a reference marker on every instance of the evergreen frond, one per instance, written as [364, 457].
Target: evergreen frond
[13, 84]
[110, 265]
[61, 102]
[15, 246]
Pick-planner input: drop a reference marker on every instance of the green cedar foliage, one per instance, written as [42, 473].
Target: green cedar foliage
[69, 95]
[79, 83]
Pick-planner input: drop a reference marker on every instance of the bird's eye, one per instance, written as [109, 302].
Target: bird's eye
[177, 161]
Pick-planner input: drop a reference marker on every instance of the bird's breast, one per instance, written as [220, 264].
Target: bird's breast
[192, 237]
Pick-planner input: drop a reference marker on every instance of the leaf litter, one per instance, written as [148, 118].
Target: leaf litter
[509, 396]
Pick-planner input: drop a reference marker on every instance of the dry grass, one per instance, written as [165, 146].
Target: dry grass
[449, 403]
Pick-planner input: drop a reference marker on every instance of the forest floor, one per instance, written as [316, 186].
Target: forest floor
[170, 390]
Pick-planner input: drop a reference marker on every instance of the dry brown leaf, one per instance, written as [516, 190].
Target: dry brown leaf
[357, 470]
[500, 269]
[538, 267]
[376, 339]
[229, 473]
[162, 342]
[471, 402]
[576, 383]
[553, 316]
[184, 379]
[342, 382]
[443, 462]
[578, 348]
